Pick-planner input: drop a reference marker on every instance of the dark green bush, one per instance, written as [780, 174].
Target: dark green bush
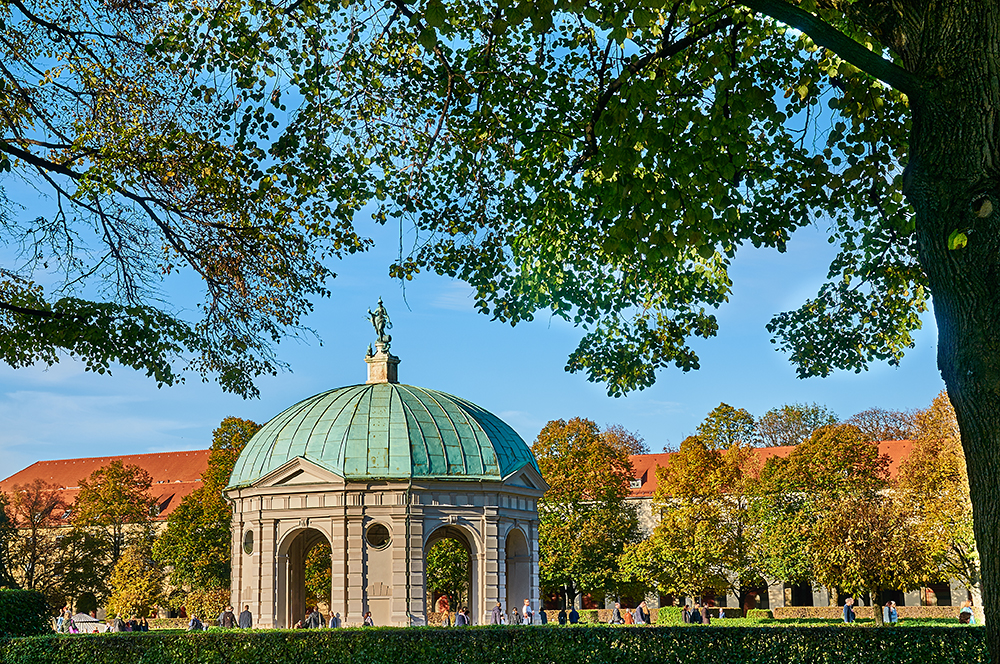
[23, 613]
[513, 645]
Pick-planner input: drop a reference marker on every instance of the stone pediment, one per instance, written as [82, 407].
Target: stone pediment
[298, 471]
[527, 477]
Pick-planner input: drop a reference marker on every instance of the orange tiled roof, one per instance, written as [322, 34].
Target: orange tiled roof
[174, 474]
[644, 465]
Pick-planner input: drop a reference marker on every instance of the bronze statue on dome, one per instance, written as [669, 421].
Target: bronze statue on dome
[380, 320]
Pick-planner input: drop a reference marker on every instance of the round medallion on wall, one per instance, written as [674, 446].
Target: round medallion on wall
[248, 542]
[377, 536]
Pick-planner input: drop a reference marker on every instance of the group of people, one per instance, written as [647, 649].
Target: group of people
[133, 624]
[227, 620]
[699, 615]
[314, 620]
[638, 616]
[497, 617]
[890, 614]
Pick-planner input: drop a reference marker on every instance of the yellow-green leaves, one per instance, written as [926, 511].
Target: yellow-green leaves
[957, 240]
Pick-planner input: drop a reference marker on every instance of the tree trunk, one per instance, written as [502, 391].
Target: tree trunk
[876, 608]
[952, 182]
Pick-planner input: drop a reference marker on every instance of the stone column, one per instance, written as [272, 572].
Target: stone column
[494, 589]
[775, 593]
[338, 564]
[267, 567]
[356, 573]
[821, 596]
[400, 580]
[418, 591]
[959, 593]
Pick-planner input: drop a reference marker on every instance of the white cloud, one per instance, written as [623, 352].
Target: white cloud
[455, 296]
[49, 425]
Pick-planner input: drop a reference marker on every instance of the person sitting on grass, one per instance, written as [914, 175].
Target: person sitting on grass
[195, 625]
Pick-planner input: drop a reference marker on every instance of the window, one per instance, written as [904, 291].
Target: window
[377, 536]
[635, 484]
[248, 542]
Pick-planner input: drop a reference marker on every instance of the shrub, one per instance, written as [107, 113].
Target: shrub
[23, 613]
[670, 615]
[206, 604]
[508, 645]
[760, 614]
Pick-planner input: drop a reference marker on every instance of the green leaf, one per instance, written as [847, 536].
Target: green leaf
[957, 240]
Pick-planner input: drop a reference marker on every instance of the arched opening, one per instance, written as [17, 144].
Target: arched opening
[299, 577]
[518, 570]
[450, 573]
[318, 576]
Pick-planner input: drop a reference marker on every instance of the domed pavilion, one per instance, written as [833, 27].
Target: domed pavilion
[381, 472]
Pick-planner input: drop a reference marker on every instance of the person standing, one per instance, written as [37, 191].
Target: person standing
[515, 617]
[246, 618]
[574, 616]
[849, 610]
[686, 614]
[893, 614]
[461, 618]
[334, 620]
[527, 613]
[562, 616]
[369, 621]
[641, 616]
[496, 616]
[228, 618]
[616, 615]
[696, 615]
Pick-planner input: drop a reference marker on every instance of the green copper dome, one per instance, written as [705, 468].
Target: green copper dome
[387, 431]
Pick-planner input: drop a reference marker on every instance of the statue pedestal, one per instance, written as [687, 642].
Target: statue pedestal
[382, 366]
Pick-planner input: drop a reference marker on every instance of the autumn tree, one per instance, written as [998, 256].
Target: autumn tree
[792, 423]
[318, 570]
[585, 520]
[136, 582]
[864, 542]
[825, 514]
[8, 531]
[114, 505]
[36, 509]
[726, 427]
[196, 543]
[877, 424]
[705, 539]
[934, 485]
[448, 572]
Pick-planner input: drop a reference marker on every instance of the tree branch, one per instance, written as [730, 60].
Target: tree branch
[40, 313]
[666, 50]
[836, 41]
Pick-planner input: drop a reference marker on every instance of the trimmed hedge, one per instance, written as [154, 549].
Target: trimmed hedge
[905, 612]
[670, 615]
[760, 614]
[23, 613]
[512, 645]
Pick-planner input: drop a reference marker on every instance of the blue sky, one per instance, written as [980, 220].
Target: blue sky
[517, 373]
